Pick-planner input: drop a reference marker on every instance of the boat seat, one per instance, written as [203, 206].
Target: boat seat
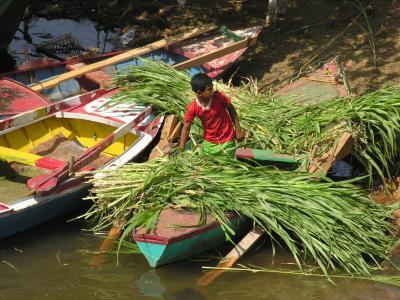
[99, 77]
[26, 158]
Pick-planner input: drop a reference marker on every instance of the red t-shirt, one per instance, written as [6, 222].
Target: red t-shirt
[217, 124]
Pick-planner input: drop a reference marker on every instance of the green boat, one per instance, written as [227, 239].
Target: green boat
[179, 235]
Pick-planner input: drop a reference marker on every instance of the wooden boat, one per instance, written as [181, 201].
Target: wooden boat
[202, 50]
[41, 150]
[169, 243]
[179, 235]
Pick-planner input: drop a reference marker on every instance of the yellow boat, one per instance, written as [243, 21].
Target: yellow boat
[41, 150]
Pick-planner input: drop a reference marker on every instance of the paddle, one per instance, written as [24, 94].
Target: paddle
[46, 183]
[119, 58]
[26, 158]
[106, 245]
[230, 259]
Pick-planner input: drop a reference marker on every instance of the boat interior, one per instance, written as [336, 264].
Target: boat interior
[41, 147]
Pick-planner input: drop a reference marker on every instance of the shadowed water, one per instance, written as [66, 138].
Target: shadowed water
[39, 30]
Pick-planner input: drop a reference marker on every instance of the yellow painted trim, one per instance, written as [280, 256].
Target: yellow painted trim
[11, 155]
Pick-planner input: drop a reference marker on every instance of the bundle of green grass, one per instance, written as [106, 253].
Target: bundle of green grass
[332, 224]
[284, 126]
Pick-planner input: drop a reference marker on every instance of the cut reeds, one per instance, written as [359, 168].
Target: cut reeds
[333, 224]
[284, 126]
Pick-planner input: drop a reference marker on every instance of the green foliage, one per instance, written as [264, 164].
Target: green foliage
[332, 224]
[285, 126]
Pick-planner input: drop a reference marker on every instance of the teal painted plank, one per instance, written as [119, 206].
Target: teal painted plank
[267, 155]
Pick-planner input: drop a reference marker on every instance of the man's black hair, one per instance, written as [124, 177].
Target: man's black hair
[200, 82]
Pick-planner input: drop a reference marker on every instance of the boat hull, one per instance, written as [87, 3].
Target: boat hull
[171, 245]
[46, 209]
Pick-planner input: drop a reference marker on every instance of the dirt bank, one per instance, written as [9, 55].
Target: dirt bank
[309, 32]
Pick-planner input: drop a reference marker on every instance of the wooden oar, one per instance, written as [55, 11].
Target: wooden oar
[119, 58]
[230, 259]
[106, 245]
[45, 183]
[26, 158]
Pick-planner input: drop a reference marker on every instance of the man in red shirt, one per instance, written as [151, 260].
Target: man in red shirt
[217, 115]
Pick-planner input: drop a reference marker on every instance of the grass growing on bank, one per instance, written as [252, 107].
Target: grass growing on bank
[333, 224]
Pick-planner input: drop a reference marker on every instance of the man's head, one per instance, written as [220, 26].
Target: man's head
[202, 85]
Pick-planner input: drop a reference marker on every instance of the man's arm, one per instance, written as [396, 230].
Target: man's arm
[235, 120]
[184, 135]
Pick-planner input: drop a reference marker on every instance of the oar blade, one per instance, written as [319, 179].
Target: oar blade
[230, 259]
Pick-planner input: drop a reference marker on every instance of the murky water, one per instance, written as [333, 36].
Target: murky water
[39, 30]
[47, 262]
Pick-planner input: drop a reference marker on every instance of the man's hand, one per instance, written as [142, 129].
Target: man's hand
[239, 135]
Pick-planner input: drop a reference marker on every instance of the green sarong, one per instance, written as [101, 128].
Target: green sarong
[227, 148]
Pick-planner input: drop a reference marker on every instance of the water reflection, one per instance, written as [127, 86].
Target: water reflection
[149, 284]
[38, 30]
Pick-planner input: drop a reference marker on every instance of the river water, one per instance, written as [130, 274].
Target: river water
[38, 31]
[51, 261]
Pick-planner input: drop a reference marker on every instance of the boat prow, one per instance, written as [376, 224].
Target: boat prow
[16, 98]
[179, 234]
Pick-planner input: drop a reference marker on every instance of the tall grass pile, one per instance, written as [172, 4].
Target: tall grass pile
[285, 126]
[332, 224]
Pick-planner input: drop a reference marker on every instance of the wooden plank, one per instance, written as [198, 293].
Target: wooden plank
[175, 133]
[197, 61]
[169, 125]
[326, 161]
[230, 259]
[120, 57]
[30, 159]
[163, 145]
